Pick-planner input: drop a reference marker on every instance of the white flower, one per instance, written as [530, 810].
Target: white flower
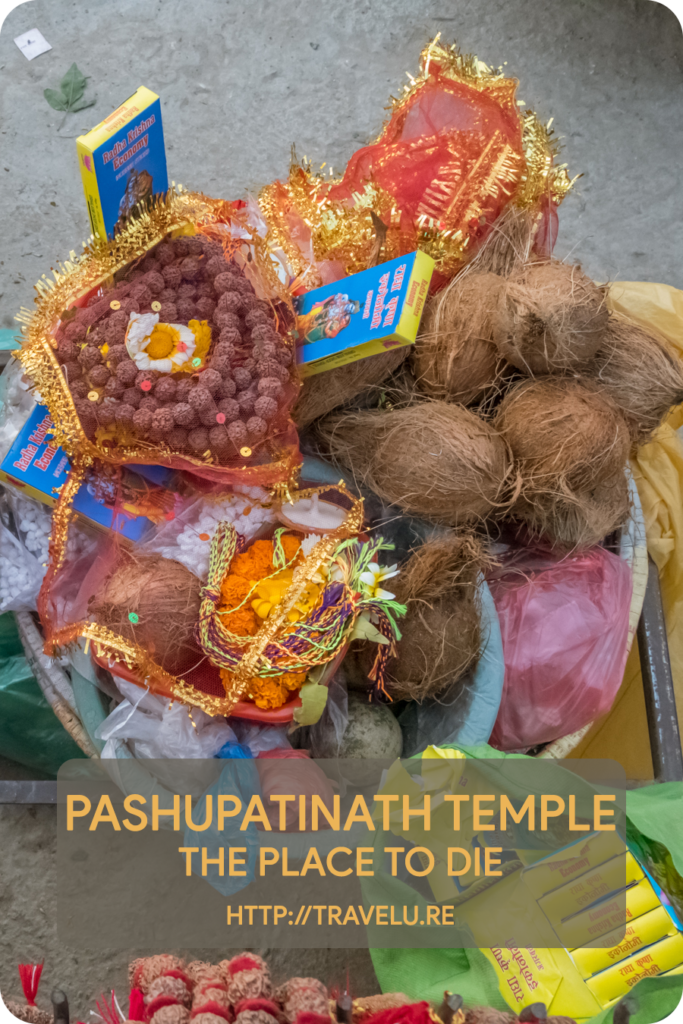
[373, 578]
[155, 346]
[308, 543]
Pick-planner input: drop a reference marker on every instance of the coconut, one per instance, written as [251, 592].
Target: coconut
[441, 634]
[154, 602]
[435, 460]
[454, 357]
[550, 318]
[570, 444]
[640, 375]
[325, 391]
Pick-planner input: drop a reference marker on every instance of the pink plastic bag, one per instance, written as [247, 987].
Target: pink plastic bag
[564, 626]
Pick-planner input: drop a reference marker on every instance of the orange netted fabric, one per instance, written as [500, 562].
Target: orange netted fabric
[453, 155]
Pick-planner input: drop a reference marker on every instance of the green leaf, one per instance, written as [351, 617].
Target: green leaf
[313, 701]
[56, 100]
[73, 86]
[82, 104]
[364, 630]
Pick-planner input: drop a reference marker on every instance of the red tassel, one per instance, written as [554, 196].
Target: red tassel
[30, 980]
[158, 1003]
[215, 1009]
[243, 963]
[385, 651]
[136, 1005]
[107, 1011]
[266, 1005]
[411, 1013]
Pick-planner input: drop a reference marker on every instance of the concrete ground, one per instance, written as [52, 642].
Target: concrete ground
[240, 82]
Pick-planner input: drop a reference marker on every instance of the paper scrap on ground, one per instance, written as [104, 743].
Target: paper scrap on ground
[32, 43]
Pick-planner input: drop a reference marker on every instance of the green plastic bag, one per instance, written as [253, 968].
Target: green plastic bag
[655, 811]
[30, 733]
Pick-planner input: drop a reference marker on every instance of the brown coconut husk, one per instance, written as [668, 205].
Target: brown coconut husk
[435, 460]
[550, 318]
[165, 596]
[454, 357]
[570, 443]
[30, 1014]
[509, 243]
[325, 391]
[441, 636]
[639, 373]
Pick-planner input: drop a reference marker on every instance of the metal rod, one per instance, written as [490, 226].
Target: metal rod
[60, 1006]
[344, 1009]
[450, 1011]
[534, 1012]
[40, 791]
[660, 701]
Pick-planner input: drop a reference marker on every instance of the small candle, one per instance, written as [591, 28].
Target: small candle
[314, 515]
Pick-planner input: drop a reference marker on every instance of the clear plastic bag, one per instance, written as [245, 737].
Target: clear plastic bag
[25, 528]
[260, 739]
[564, 625]
[21, 574]
[325, 737]
[17, 401]
[30, 732]
[154, 729]
[187, 537]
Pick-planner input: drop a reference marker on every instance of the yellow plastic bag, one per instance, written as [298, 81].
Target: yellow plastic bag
[658, 472]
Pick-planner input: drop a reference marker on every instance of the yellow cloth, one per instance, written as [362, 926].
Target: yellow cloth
[658, 472]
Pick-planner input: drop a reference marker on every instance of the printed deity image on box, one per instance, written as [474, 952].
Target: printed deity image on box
[123, 162]
[362, 315]
[129, 506]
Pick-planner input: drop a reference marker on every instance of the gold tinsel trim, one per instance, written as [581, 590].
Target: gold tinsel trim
[542, 175]
[459, 67]
[110, 646]
[174, 212]
[347, 233]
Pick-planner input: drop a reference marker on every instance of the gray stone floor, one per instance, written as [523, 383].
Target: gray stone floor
[240, 82]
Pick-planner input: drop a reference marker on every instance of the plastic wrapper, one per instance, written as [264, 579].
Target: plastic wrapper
[260, 738]
[170, 345]
[564, 626]
[30, 732]
[154, 729]
[293, 776]
[328, 732]
[21, 574]
[32, 523]
[188, 535]
[17, 401]
[658, 862]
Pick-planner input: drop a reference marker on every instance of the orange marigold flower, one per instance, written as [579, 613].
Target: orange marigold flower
[233, 591]
[254, 563]
[291, 545]
[270, 693]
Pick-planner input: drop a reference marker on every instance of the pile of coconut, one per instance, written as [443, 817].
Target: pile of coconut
[519, 405]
